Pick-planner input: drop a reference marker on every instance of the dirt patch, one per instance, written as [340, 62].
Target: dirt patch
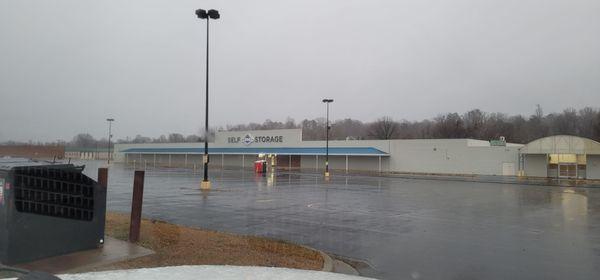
[179, 245]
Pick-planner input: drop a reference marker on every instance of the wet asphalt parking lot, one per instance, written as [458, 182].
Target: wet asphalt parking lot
[401, 228]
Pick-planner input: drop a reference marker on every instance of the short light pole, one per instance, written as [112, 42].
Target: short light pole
[327, 128]
[203, 14]
[109, 120]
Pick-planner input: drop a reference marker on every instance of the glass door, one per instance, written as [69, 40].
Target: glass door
[563, 171]
[567, 171]
[572, 173]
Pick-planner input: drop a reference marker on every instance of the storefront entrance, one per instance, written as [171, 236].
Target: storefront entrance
[287, 162]
[569, 166]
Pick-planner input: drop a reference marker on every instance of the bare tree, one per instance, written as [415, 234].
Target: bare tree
[290, 123]
[161, 139]
[539, 113]
[347, 129]
[536, 126]
[449, 126]
[587, 122]
[313, 129]
[565, 123]
[383, 128]
[84, 140]
[520, 130]
[192, 138]
[474, 122]
[141, 139]
[496, 125]
[597, 127]
[176, 138]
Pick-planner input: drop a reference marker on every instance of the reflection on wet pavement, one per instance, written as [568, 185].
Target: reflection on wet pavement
[405, 228]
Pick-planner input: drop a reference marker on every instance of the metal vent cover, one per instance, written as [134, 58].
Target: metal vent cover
[52, 191]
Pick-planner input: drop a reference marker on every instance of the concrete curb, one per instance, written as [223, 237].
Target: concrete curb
[327, 260]
[340, 266]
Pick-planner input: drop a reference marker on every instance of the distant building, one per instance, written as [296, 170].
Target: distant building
[86, 153]
[554, 157]
[33, 151]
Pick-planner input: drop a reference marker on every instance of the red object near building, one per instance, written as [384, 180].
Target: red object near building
[260, 166]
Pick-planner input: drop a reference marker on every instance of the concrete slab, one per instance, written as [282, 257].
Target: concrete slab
[113, 251]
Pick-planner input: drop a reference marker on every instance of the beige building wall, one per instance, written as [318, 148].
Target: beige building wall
[593, 167]
[450, 156]
[439, 156]
[535, 165]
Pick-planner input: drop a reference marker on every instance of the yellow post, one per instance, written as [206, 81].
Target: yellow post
[205, 184]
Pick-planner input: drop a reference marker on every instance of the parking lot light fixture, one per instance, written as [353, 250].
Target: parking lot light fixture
[203, 14]
[327, 128]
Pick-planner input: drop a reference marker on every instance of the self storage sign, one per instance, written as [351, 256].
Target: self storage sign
[249, 139]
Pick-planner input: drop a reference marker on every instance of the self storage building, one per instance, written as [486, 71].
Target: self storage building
[285, 149]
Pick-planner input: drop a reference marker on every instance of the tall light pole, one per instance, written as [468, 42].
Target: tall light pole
[203, 14]
[109, 120]
[327, 128]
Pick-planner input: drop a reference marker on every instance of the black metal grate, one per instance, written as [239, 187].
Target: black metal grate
[57, 192]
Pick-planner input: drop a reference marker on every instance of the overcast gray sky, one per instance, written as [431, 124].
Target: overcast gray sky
[67, 65]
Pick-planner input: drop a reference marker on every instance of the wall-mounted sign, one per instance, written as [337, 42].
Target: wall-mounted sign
[249, 139]
[497, 143]
[262, 138]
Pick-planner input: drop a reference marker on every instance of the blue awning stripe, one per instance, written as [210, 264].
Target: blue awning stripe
[362, 151]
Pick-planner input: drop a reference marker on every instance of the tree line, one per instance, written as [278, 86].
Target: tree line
[474, 124]
[86, 140]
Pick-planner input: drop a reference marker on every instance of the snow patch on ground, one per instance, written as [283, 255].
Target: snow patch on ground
[209, 272]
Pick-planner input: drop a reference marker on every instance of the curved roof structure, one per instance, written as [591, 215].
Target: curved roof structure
[562, 144]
